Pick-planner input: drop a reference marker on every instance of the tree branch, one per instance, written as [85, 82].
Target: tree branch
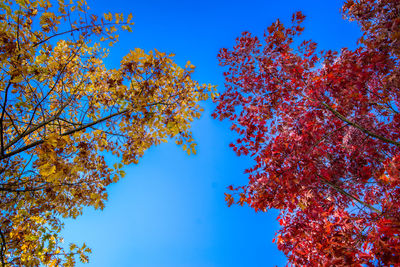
[72, 131]
[3, 248]
[2, 116]
[343, 192]
[38, 126]
[343, 118]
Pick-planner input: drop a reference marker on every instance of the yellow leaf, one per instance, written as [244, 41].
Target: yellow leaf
[72, 246]
[127, 28]
[52, 139]
[129, 18]
[47, 169]
[17, 79]
[108, 16]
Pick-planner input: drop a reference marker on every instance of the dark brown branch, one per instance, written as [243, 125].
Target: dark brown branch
[69, 132]
[343, 192]
[38, 126]
[48, 93]
[72, 131]
[2, 116]
[71, 31]
[58, 34]
[29, 130]
[343, 118]
[12, 122]
[3, 248]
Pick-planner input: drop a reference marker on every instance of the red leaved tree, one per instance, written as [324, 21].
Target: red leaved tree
[324, 130]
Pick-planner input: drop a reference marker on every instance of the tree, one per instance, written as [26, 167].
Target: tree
[323, 129]
[62, 111]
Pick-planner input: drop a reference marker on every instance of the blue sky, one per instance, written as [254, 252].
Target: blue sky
[169, 210]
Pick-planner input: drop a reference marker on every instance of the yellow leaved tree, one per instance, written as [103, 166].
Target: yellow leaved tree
[61, 110]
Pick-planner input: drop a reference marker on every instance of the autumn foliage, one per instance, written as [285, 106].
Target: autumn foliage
[324, 130]
[62, 109]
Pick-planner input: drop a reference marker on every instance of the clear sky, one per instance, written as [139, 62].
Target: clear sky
[169, 210]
